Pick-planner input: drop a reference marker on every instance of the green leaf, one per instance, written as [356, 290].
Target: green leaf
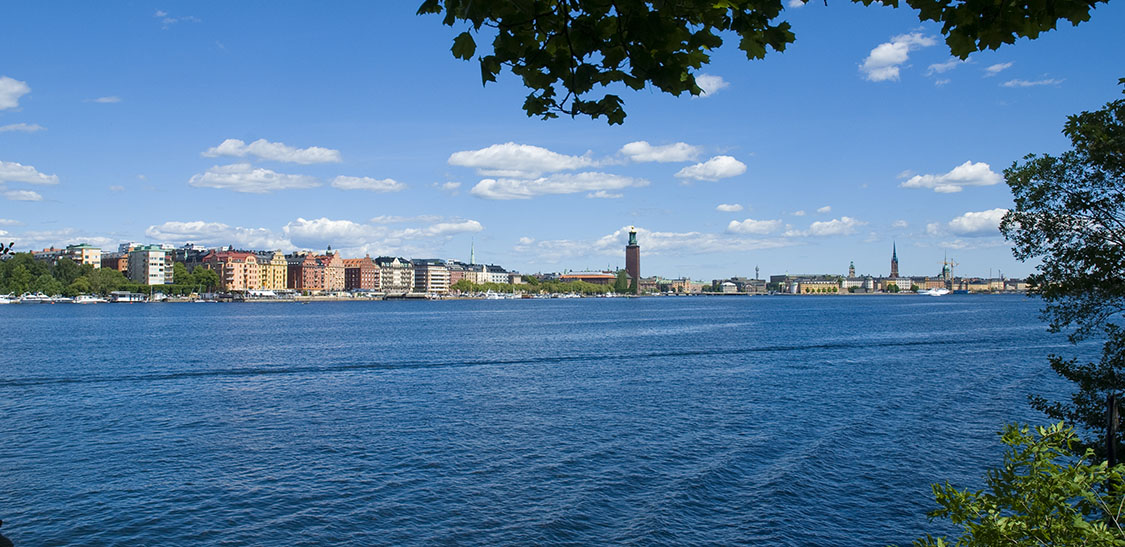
[464, 46]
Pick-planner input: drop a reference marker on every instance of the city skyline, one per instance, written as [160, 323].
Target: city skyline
[198, 125]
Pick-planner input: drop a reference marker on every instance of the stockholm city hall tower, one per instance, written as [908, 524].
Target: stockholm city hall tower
[633, 261]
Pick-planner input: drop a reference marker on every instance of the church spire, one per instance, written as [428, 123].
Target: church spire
[894, 259]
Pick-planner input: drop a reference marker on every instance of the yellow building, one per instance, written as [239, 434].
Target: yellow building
[273, 270]
[85, 254]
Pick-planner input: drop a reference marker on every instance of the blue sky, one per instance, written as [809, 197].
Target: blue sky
[303, 125]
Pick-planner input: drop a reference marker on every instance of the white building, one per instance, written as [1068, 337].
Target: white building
[431, 277]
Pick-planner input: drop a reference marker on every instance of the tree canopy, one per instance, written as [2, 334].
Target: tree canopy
[564, 49]
[1070, 215]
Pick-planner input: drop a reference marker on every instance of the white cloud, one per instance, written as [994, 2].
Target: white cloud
[553, 184]
[718, 167]
[394, 219]
[941, 68]
[751, 226]
[356, 238]
[11, 171]
[710, 84]
[899, 224]
[105, 100]
[367, 183]
[242, 177]
[884, 61]
[996, 69]
[1026, 83]
[800, 213]
[977, 224]
[22, 127]
[653, 243]
[65, 236]
[942, 81]
[511, 160]
[966, 174]
[642, 151]
[166, 20]
[450, 186]
[835, 227]
[440, 229]
[9, 222]
[825, 209]
[274, 151]
[23, 195]
[795, 3]
[728, 207]
[217, 233]
[602, 194]
[10, 92]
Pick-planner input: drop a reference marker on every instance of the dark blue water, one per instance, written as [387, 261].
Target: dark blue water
[774, 420]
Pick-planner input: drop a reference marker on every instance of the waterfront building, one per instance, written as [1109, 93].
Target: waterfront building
[396, 275]
[116, 261]
[273, 270]
[859, 284]
[127, 247]
[456, 271]
[150, 265]
[597, 278]
[190, 255]
[894, 260]
[633, 258]
[432, 277]
[496, 274]
[685, 285]
[85, 254]
[304, 272]
[361, 274]
[333, 271]
[818, 286]
[238, 270]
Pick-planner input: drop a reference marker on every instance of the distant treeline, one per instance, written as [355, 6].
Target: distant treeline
[22, 273]
[532, 285]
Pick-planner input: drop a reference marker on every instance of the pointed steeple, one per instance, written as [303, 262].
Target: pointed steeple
[894, 259]
[472, 252]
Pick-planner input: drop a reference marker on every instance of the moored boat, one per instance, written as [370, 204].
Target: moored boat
[36, 298]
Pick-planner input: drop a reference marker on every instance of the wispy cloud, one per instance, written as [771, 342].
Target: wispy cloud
[559, 183]
[1031, 83]
[995, 69]
[367, 183]
[728, 207]
[274, 151]
[23, 195]
[22, 127]
[111, 99]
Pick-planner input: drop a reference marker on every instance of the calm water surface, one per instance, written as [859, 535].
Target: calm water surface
[773, 421]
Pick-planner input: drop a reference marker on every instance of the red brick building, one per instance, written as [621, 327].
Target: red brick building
[306, 273]
[361, 273]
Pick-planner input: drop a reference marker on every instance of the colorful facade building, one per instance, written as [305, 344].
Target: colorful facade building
[238, 270]
[304, 272]
[273, 270]
[333, 271]
[116, 261]
[85, 254]
[150, 265]
[361, 274]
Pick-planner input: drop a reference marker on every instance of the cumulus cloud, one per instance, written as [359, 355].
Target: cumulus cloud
[825, 209]
[367, 183]
[978, 224]
[242, 177]
[22, 127]
[560, 183]
[11, 90]
[358, 238]
[274, 151]
[996, 69]
[966, 174]
[751, 226]
[710, 84]
[23, 195]
[835, 227]
[602, 194]
[217, 233]
[11, 171]
[511, 160]
[642, 151]
[728, 207]
[718, 167]
[940, 68]
[1031, 83]
[884, 61]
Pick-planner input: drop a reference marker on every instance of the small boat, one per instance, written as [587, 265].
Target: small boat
[935, 292]
[58, 299]
[37, 298]
[7, 299]
[89, 299]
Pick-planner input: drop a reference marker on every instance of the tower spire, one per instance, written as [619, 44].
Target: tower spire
[894, 259]
[472, 252]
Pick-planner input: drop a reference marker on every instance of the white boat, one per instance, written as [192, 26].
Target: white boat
[935, 292]
[59, 299]
[37, 298]
[7, 299]
[89, 299]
